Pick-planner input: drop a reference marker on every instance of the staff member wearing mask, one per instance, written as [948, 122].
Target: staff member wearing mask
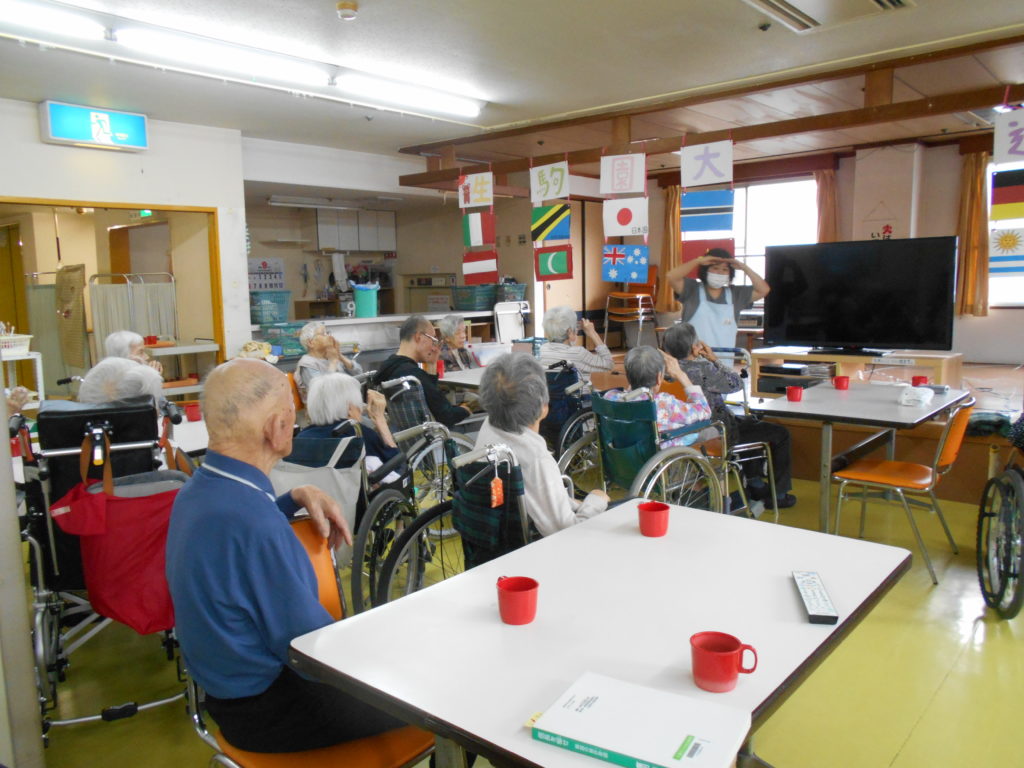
[711, 304]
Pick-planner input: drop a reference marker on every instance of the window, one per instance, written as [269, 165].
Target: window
[1005, 246]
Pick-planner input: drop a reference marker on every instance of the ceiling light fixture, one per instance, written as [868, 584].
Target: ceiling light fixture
[53, 20]
[347, 11]
[406, 95]
[283, 201]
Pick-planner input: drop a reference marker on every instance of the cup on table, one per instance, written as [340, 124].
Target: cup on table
[517, 599]
[149, 340]
[919, 381]
[193, 412]
[794, 394]
[653, 518]
[440, 369]
[718, 660]
[841, 382]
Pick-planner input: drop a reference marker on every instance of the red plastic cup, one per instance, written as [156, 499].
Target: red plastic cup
[919, 381]
[149, 340]
[841, 382]
[718, 660]
[193, 412]
[653, 518]
[15, 447]
[440, 369]
[794, 394]
[517, 599]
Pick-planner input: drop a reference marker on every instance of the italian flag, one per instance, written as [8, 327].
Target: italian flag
[553, 262]
[478, 229]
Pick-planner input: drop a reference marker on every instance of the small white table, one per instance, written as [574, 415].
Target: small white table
[191, 436]
[9, 359]
[613, 602]
[462, 379]
[868, 404]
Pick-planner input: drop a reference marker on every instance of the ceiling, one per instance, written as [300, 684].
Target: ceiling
[538, 61]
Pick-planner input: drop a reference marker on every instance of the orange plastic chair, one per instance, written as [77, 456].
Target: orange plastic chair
[391, 749]
[296, 397]
[635, 304]
[902, 477]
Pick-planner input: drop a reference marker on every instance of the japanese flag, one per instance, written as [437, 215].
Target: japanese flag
[625, 217]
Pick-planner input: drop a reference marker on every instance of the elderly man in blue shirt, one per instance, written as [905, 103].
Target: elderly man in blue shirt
[241, 582]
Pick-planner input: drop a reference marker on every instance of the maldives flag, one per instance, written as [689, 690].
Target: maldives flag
[480, 267]
[625, 217]
[553, 262]
[1007, 195]
[478, 229]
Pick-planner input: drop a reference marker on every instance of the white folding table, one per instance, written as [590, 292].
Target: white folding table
[462, 379]
[611, 601]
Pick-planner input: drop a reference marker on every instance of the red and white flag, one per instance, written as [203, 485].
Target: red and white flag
[480, 267]
[625, 217]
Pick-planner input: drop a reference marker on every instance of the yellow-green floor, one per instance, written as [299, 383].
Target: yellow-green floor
[929, 679]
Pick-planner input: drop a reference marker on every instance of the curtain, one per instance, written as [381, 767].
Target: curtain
[828, 207]
[972, 233]
[671, 251]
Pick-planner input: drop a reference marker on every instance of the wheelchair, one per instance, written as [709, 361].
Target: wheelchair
[489, 524]
[569, 413]
[625, 451]
[1000, 534]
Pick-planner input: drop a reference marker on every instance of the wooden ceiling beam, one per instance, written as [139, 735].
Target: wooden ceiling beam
[878, 85]
[885, 113]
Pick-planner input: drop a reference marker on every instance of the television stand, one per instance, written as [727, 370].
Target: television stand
[847, 351]
[939, 367]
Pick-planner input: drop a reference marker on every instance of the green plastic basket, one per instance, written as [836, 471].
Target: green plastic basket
[510, 292]
[269, 306]
[474, 298]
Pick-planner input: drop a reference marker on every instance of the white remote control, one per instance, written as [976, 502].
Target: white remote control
[816, 600]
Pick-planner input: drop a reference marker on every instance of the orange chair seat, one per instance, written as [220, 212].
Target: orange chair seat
[896, 473]
[712, 447]
[385, 750]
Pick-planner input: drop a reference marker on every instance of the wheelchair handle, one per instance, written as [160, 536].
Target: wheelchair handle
[494, 453]
[340, 427]
[15, 424]
[386, 468]
[170, 410]
[402, 381]
[419, 429]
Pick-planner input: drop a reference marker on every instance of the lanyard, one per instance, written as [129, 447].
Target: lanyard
[238, 479]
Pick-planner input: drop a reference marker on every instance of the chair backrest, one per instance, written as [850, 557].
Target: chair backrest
[488, 532]
[953, 436]
[407, 405]
[561, 406]
[731, 355]
[322, 558]
[294, 386]
[628, 433]
[650, 287]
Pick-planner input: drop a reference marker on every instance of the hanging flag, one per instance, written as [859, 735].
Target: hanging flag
[623, 174]
[480, 267]
[476, 189]
[706, 211]
[549, 182]
[1006, 252]
[478, 229]
[553, 262]
[625, 217]
[550, 222]
[1007, 195]
[624, 264]
[1008, 128]
[704, 164]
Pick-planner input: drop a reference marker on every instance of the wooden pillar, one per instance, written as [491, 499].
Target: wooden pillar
[878, 87]
[433, 163]
[448, 157]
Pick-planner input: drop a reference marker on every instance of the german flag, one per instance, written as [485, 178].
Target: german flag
[550, 222]
[1007, 195]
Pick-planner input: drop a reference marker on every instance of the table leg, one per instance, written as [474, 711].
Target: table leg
[747, 759]
[448, 754]
[825, 477]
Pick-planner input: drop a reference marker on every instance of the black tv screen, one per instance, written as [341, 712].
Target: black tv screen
[876, 294]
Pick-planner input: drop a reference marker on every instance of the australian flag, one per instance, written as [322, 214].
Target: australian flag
[624, 264]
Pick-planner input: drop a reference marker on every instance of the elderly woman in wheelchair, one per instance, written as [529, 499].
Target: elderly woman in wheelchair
[323, 355]
[514, 393]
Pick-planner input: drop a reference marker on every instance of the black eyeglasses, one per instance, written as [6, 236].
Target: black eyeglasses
[434, 339]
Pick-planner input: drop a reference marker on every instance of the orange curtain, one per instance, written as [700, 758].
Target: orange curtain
[828, 207]
[972, 233]
[671, 251]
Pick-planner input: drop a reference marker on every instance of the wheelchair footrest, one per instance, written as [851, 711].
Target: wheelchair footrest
[119, 712]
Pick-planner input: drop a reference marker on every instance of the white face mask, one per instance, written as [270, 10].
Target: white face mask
[717, 280]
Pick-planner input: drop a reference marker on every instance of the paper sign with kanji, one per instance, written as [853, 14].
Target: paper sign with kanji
[553, 262]
[476, 189]
[623, 174]
[1009, 137]
[625, 217]
[549, 182]
[706, 164]
[624, 264]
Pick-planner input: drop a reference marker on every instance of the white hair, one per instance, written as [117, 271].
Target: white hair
[329, 397]
[449, 325]
[558, 322]
[309, 330]
[513, 391]
[115, 378]
[120, 343]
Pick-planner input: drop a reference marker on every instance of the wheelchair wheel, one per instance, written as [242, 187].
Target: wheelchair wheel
[576, 427]
[581, 462]
[999, 544]
[48, 657]
[680, 476]
[421, 557]
[431, 477]
[387, 515]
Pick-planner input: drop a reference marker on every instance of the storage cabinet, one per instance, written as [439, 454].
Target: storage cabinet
[355, 230]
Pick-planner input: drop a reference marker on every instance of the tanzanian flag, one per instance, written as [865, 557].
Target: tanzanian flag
[1007, 195]
[553, 262]
[550, 222]
[477, 229]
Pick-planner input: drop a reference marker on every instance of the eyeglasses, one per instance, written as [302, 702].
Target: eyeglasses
[434, 339]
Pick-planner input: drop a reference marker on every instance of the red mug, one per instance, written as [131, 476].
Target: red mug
[718, 660]
[841, 382]
[193, 412]
[150, 340]
[794, 394]
[517, 599]
[440, 369]
[653, 518]
[919, 381]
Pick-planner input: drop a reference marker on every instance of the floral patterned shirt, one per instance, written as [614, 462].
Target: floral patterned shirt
[674, 413]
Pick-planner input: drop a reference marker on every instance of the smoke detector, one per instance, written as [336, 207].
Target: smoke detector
[347, 11]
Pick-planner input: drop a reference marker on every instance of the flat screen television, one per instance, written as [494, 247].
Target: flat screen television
[862, 295]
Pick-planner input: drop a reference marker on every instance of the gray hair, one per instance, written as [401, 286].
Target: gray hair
[413, 325]
[643, 364]
[678, 340]
[513, 391]
[330, 396]
[309, 330]
[120, 343]
[558, 322]
[450, 325]
[115, 378]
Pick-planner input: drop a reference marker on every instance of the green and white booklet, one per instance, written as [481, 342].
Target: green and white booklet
[639, 727]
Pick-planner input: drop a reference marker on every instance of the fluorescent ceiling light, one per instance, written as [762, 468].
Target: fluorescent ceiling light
[52, 20]
[406, 95]
[282, 201]
[203, 53]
